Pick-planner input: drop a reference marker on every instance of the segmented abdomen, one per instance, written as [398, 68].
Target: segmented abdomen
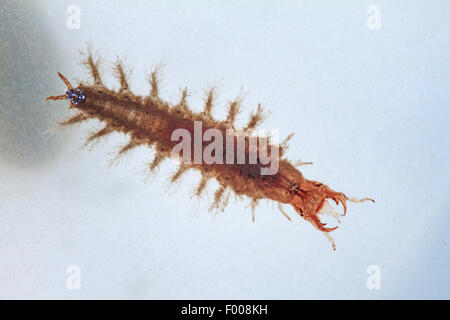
[150, 121]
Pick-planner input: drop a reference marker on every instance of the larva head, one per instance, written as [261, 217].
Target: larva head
[311, 199]
[75, 96]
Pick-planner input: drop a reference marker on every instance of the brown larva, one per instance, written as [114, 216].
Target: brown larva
[151, 121]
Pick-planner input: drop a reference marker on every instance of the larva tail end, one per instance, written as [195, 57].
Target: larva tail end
[333, 245]
[310, 200]
[351, 199]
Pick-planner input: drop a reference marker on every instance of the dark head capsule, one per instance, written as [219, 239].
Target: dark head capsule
[75, 96]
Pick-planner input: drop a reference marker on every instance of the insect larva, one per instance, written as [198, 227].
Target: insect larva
[151, 121]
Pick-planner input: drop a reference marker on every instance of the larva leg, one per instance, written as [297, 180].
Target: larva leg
[181, 170]
[129, 146]
[209, 102]
[221, 198]
[233, 109]
[93, 66]
[217, 199]
[121, 75]
[154, 81]
[159, 157]
[225, 199]
[327, 235]
[284, 145]
[184, 95]
[124, 149]
[74, 119]
[98, 134]
[253, 207]
[280, 207]
[183, 100]
[202, 185]
[256, 119]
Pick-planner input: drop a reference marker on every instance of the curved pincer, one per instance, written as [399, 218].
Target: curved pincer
[314, 220]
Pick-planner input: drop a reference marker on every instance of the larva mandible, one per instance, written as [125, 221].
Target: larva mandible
[151, 121]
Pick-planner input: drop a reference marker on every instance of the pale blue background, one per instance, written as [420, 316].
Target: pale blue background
[368, 107]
